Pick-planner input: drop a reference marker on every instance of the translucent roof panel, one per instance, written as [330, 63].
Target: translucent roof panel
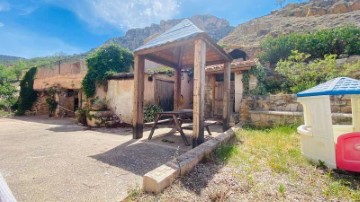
[337, 86]
[184, 30]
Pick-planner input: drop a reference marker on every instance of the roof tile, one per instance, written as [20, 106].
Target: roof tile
[337, 86]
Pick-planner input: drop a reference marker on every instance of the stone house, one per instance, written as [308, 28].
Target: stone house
[66, 77]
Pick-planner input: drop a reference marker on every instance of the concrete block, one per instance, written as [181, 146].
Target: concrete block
[158, 179]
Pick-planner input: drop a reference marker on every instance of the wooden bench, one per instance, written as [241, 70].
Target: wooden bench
[169, 120]
[159, 121]
[207, 123]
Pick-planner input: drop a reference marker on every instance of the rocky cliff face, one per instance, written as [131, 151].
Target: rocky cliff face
[305, 17]
[217, 28]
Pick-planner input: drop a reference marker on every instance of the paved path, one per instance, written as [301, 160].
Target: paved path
[56, 160]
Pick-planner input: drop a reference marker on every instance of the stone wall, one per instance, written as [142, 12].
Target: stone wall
[67, 75]
[65, 100]
[284, 109]
[40, 107]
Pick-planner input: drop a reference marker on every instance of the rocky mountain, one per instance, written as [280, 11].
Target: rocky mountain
[217, 28]
[304, 17]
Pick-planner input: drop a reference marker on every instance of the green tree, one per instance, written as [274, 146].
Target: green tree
[18, 68]
[7, 96]
[102, 62]
[27, 93]
[5, 74]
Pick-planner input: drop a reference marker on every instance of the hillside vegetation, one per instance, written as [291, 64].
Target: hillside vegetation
[294, 18]
[298, 61]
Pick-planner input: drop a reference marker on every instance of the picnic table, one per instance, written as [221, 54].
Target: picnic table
[178, 118]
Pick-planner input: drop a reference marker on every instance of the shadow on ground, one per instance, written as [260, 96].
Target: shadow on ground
[137, 157]
[45, 120]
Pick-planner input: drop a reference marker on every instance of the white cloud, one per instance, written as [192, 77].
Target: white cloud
[121, 14]
[1, 24]
[27, 10]
[19, 42]
[4, 6]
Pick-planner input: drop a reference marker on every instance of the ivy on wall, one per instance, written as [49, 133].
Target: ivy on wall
[27, 95]
[103, 62]
[260, 74]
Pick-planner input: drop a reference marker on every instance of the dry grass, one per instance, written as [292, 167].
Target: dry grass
[260, 165]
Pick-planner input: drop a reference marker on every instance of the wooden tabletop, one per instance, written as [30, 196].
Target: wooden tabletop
[183, 111]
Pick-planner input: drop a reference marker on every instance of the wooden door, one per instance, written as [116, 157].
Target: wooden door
[165, 94]
[219, 95]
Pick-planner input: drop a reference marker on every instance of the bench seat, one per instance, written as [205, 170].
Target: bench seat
[207, 123]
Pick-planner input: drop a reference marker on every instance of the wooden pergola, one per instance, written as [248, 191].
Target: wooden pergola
[181, 47]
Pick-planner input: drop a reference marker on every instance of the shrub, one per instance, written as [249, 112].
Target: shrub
[260, 74]
[7, 96]
[150, 112]
[51, 101]
[342, 40]
[111, 58]
[80, 115]
[303, 75]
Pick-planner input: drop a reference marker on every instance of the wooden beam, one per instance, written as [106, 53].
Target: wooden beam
[164, 47]
[226, 100]
[207, 63]
[177, 89]
[138, 106]
[177, 84]
[160, 61]
[199, 91]
[216, 48]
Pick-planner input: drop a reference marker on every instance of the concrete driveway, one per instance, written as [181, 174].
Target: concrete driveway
[57, 160]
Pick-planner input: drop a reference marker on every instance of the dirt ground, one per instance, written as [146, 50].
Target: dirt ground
[57, 160]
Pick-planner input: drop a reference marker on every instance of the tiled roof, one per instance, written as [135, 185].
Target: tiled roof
[236, 64]
[337, 86]
[184, 30]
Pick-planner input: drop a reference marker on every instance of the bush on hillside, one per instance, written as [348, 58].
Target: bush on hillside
[337, 41]
[303, 75]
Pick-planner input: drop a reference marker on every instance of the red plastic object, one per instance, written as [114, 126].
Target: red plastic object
[348, 152]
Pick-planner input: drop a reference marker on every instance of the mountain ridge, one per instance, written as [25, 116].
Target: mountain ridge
[217, 28]
[304, 17]
[301, 17]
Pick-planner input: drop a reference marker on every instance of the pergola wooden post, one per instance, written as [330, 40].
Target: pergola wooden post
[138, 112]
[227, 100]
[177, 84]
[183, 46]
[199, 92]
[177, 89]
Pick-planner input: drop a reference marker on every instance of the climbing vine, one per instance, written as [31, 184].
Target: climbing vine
[260, 74]
[51, 101]
[112, 58]
[27, 95]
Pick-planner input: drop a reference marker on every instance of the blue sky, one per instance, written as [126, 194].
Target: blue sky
[33, 28]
